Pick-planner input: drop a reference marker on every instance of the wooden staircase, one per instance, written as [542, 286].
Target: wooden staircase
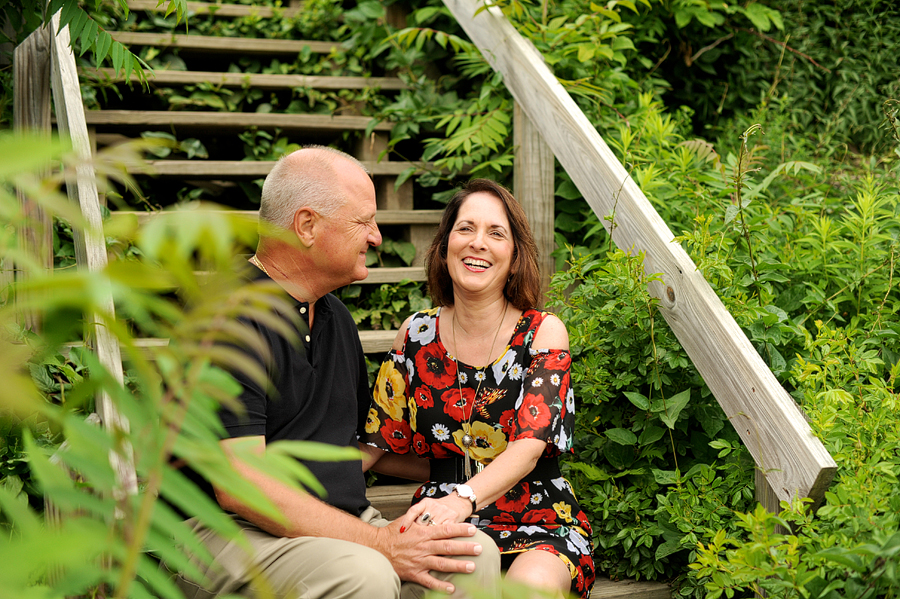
[395, 206]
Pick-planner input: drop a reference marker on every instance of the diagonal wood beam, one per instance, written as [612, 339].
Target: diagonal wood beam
[768, 421]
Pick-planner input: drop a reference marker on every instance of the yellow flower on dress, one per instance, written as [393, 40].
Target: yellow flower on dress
[413, 410]
[489, 442]
[564, 510]
[431, 311]
[373, 423]
[390, 390]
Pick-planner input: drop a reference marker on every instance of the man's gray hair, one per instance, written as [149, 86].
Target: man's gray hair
[309, 182]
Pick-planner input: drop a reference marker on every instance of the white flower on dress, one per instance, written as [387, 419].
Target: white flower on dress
[502, 366]
[463, 377]
[421, 330]
[447, 488]
[537, 381]
[410, 368]
[504, 534]
[440, 432]
[579, 541]
[431, 491]
[516, 372]
[530, 530]
[479, 375]
[555, 380]
[536, 498]
[564, 442]
[521, 398]
[570, 401]
[560, 483]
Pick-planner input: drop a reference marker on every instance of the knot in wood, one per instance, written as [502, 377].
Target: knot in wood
[670, 293]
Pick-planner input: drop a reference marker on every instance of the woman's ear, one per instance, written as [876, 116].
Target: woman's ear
[305, 225]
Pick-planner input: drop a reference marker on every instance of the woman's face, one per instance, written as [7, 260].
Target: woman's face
[480, 246]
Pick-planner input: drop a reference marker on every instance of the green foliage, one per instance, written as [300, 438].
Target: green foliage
[848, 547]
[169, 396]
[648, 433]
[837, 60]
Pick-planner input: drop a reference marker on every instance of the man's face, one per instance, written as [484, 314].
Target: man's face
[348, 234]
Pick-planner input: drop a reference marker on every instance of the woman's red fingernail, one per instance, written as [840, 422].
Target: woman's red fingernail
[402, 529]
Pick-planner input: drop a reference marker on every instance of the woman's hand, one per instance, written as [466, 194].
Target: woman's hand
[451, 508]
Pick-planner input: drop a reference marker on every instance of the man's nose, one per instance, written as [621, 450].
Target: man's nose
[374, 236]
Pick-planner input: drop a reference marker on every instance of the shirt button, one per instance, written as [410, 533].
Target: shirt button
[307, 338]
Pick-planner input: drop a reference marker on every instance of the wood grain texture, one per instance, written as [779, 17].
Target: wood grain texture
[765, 416]
[391, 500]
[219, 10]
[382, 217]
[90, 246]
[257, 80]
[220, 44]
[533, 172]
[630, 589]
[31, 114]
[233, 169]
[219, 120]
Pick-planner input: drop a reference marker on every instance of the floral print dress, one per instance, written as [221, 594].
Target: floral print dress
[526, 393]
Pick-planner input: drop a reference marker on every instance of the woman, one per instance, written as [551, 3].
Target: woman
[492, 417]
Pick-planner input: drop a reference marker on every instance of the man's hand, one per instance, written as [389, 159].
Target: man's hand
[420, 549]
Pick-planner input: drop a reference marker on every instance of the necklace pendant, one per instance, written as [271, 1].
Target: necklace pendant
[468, 441]
[468, 466]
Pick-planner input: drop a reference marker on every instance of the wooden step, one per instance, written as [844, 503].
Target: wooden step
[234, 45]
[220, 10]
[382, 217]
[305, 123]
[257, 80]
[242, 169]
[373, 342]
[393, 501]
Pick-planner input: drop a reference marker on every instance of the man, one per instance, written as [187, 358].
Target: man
[324, 202]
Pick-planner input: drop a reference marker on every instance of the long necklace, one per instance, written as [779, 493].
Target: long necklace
[468, 440]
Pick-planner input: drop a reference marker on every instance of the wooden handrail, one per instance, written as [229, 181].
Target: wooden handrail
[768, 421]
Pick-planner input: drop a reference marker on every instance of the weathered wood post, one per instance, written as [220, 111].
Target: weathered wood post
[533, 187]
[31, 114]
[90, 245]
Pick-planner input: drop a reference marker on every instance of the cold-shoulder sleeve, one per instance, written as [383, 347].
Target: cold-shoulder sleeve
[387, 424]
[546, 406]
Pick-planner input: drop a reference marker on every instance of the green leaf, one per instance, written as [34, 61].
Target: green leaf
[673, 406]
[641, 402]
[621, 436]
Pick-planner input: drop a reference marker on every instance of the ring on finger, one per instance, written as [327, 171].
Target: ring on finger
[426, 517]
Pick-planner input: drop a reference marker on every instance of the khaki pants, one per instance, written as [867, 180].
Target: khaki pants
[317, 568]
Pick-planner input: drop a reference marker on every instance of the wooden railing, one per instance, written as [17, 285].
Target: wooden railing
[787, 454]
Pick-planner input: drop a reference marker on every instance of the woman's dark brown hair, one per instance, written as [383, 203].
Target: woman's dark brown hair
[523, 288]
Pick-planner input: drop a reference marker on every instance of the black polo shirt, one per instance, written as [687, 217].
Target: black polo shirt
[320, 393]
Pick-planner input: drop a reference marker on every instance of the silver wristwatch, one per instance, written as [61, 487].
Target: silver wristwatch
[466, 492]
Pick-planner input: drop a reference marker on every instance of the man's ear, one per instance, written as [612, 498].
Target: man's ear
[306, 221]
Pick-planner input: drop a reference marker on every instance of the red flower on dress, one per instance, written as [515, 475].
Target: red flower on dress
[459, 407]
[397, 434]
[505, 518]
[558, 360]
[523, 329]
[515, 500]
[419, 444]
[506, 421]
[539, 517]
[434, 367]
[422, 396]
[502, 527]
[534, 412]
[444, 450]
